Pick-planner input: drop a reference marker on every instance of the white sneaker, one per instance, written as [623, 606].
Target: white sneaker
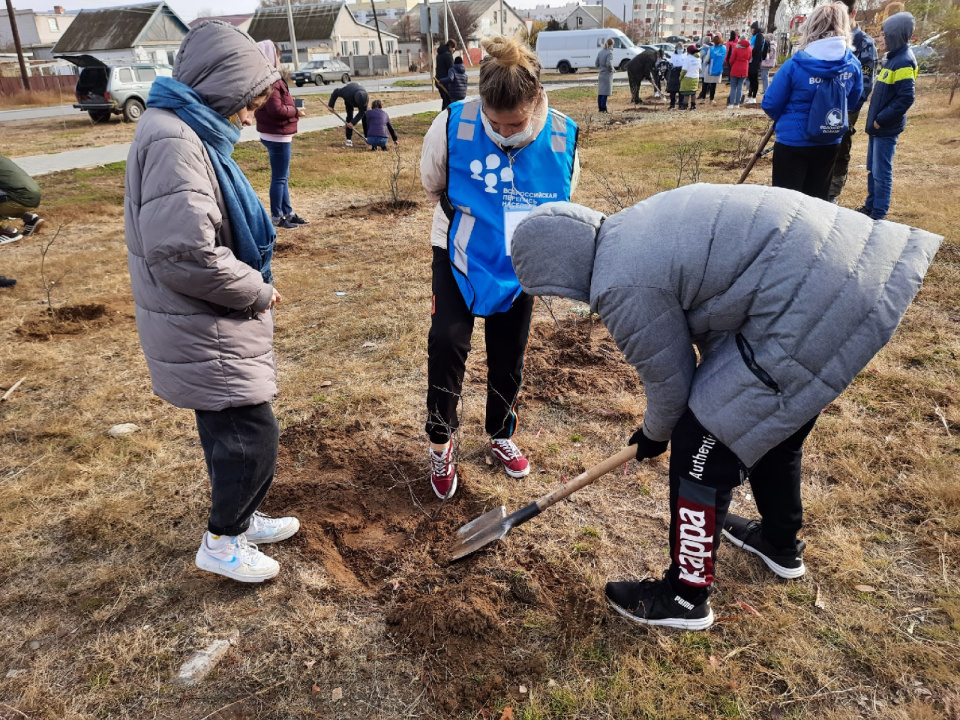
[349, 143]
[235, 558]
[731, 107]
[265, 529]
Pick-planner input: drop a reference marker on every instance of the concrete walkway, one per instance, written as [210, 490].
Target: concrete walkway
[35, 165]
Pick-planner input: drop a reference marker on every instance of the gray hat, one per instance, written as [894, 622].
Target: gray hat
[553, 250]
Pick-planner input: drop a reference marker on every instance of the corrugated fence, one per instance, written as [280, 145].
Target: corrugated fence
[11, 85]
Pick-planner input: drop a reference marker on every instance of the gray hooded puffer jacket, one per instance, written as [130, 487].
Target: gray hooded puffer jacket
[200, 311]
[786, 297]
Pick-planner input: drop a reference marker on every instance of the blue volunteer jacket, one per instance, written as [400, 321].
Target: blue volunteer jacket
[894, 93]
[865, 50]
[790, 94]
[718, 54]
[489, 190]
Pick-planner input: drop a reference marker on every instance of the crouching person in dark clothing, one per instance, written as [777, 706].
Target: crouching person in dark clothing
[19, 195]
[783, 317]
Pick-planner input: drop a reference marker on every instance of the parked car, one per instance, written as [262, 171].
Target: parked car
[106, 89]
[568, 50]
[929, 53]
[675, 39]
[668, 48]
[321, 71]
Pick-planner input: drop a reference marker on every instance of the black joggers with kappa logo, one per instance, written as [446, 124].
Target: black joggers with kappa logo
[448, 344]
[703, 473]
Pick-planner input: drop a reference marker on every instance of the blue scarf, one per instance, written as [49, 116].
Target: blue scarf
[253, 232]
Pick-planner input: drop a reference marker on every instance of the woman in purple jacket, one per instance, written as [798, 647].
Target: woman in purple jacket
[277, 124]
[376, 125]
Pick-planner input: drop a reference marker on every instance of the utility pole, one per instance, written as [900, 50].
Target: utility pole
[376, 22]
[703, 23]
[501, 17]
[446, 21]
[293, 37]
[16, 43]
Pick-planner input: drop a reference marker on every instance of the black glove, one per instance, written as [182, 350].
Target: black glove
[647, 448]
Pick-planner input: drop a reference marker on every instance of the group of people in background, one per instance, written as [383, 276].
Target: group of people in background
[817, 96]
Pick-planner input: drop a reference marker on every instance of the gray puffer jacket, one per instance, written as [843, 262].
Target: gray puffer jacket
[786, 298]
[201, 312]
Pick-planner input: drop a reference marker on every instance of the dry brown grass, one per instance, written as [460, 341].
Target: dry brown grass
[34, 98]
[99, 534]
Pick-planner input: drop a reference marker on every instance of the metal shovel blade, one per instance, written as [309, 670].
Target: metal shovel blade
[485, 529]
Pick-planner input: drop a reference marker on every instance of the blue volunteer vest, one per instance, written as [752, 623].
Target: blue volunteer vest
[489, 191]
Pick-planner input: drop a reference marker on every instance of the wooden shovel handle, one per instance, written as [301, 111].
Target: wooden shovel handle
[756, 155]
[587, 477]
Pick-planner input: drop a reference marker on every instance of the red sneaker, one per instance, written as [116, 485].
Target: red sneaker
[509, 454]
[443, 478]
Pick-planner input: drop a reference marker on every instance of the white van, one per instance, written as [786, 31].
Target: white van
[569, 50]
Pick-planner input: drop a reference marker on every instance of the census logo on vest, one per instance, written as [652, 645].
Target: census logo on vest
[834, 118]
[490, 178]
[489, 191]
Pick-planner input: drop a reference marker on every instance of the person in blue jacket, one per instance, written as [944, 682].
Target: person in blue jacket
[887, 116]
[456, 81]
[803, 160]
[864, 50]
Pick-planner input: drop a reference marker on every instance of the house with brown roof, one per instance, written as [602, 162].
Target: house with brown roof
[151, 32]
[241, 22]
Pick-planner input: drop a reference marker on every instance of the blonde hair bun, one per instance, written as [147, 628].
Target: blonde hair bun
[509, 75]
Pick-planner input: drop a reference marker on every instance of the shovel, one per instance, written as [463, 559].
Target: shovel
[495, 524]
[758, 154]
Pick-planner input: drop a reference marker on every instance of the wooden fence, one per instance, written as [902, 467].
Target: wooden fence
[12, 85]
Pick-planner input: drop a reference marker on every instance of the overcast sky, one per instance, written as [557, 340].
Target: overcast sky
[188, 9]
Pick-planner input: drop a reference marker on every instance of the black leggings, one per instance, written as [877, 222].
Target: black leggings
[703, 473]
[805, 168]
[710, 88]
[448, 344]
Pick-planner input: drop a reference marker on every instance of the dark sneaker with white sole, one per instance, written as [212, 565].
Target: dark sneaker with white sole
[746, 534]
[31, 223]
[655, 602]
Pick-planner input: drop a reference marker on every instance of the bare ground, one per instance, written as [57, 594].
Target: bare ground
[367, 619]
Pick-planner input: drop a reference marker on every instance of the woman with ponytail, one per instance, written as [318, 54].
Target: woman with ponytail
[487, 162]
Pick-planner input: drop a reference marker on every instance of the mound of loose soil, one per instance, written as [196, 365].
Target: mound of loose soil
[373, 524]
[67, 320]
[575, 359]
[376, 209]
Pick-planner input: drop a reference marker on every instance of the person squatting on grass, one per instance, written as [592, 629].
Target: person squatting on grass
[376, 125]
[887, 115]
[19, 197]
[809, 100]
[277, 123]
[865, 51]
[487, 162]
[355, 98]
[199, 245]
[783, 317]
[604, 62]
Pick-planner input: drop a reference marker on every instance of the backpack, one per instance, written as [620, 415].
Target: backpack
[828, 118]
[765, 50]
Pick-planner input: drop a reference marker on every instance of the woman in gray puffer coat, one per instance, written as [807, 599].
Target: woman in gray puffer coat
[784, 311]
[605, 78]
[199, 244]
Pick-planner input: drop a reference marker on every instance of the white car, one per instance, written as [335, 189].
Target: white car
[569, 50]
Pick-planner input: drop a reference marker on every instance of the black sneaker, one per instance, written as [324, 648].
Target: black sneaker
[864, 210]
[284, 224]
[7, 282]
[296, 219]
[745, 533]
[9, 235]
[654, 602]
[31, 223]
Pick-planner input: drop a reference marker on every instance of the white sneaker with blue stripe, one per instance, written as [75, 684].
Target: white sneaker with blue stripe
[235, 558]
[266, 529]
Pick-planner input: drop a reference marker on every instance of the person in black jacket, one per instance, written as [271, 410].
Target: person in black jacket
[443, 65]
[756, 57]
[455, 82]
[355, 98]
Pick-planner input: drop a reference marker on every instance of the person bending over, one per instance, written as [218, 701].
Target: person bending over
[782, 318]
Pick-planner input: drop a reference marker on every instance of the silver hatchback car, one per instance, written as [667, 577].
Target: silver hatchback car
[114, 89]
